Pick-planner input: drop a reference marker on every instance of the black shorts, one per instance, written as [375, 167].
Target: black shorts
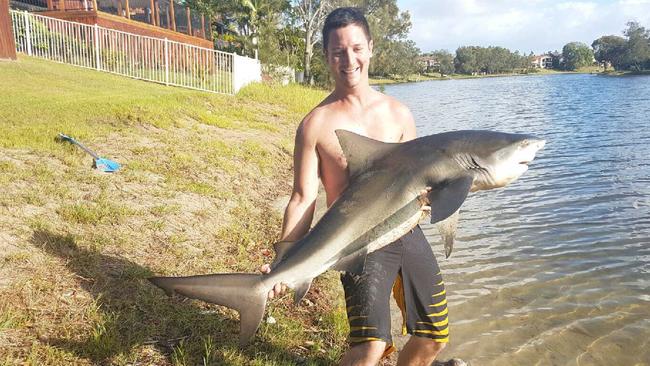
[409, 268]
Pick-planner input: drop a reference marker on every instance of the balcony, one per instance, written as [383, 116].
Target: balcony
[153, 18]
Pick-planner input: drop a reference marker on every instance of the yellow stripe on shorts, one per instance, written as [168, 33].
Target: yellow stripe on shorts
[437, 324]
[364, 339]
[353, 318]
[433, 332]
[443, 302]
[439, 293]
[350, 308]
[352, 329]
[444, 312]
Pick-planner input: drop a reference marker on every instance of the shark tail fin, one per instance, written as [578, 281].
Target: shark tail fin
[240, 291]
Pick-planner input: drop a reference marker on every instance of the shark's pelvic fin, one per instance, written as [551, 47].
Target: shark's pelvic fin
[301, 290]
[239, 291]
[353, 263]
[447, 229]
[446, 198]
[361, 151]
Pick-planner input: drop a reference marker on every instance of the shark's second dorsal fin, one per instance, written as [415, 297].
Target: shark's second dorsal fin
[360, 151]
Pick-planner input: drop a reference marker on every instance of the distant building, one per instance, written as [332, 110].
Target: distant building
[543, 61]
[428, 63]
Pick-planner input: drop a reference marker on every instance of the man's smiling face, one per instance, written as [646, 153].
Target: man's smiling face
[348, 55]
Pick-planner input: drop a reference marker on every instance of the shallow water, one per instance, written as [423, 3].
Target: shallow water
[555, 268]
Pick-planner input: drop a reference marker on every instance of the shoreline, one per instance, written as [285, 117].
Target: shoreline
[421, 78]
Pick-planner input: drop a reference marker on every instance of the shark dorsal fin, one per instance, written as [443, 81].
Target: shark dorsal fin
[361, 151]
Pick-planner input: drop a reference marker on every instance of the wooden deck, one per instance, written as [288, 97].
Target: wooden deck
[7, 44]
[126, 25]
[153, 18]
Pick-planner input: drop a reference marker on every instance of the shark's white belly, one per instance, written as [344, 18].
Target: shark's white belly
[396, 233]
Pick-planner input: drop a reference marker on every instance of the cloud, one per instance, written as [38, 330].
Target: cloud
[533, 25]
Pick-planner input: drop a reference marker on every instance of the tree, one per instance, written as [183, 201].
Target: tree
[397, 58]
[576, 55]
[637, 54]
[389, 28]
[248, 16]
[281, 44]
[490, 60]
[311, 14]
[466, 60]
[609, 50]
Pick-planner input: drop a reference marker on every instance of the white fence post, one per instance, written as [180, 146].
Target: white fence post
[245, 70]
[235, 78]
[166, 61]
[28, 33]
[98, 58]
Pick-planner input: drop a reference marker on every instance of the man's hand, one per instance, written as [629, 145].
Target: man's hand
[425, 200]
[279, 288]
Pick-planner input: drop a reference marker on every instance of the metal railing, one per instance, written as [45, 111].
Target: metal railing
[140, 57]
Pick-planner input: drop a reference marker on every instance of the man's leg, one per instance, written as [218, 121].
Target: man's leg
[364, 354]
[420, 292]
[367, 299]
[419, 351]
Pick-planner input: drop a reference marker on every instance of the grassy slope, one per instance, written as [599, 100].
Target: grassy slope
[200, 174]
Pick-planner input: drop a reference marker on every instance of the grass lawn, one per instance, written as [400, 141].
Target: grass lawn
[201, 177]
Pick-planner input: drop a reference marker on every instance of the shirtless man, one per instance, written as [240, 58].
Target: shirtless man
[355, 106]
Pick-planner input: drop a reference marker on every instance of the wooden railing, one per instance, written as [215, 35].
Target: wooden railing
[162, 13]
[141, 57]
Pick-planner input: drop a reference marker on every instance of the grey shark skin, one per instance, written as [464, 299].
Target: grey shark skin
[382, 202]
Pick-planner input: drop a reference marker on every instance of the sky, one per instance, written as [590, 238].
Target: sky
[519, 25]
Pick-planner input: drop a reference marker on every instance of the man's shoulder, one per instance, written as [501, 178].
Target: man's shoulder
[325, 111]
[394, 106]
[314, 119]
[315, 123]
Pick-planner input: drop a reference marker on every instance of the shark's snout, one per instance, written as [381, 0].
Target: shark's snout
[528, 149]
[537, 144]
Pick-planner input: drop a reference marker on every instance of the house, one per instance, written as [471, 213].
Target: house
[152, 18]
[544, 61]
[428, 63]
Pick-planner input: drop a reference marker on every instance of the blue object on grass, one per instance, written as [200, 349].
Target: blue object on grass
[103, 164]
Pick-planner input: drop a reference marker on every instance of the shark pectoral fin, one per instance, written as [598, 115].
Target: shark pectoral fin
[353, 263]
[281, 248]
[301, 290]
[360, 151]
[447, 229]
[447, 198]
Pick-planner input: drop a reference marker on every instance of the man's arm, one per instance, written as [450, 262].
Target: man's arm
[300, 209]
[302, 203]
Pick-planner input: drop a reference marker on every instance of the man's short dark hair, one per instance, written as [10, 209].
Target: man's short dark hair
[342, 17]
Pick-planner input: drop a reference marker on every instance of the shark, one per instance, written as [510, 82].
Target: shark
[391, 187]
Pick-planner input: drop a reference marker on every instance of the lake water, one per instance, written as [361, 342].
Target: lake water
[555, 268]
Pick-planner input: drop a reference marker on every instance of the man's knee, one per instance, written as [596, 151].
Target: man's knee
[428, 345]
[420, 351]
[438, 345]
[362, 354]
